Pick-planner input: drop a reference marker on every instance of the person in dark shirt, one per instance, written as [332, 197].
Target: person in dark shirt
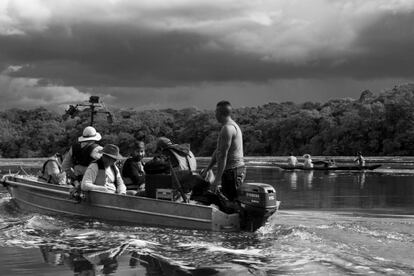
[81, 154]
[133, 170]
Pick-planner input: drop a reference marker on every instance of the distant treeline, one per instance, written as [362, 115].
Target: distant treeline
[374, 124]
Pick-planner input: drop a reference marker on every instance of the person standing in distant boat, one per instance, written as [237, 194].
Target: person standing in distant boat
[292, 160]
[360, 160]
[308, 164]
[228, 155]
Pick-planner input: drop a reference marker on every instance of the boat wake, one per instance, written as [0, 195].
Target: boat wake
[291, 243]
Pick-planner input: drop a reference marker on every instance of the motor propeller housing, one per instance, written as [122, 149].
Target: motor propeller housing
[257, 202]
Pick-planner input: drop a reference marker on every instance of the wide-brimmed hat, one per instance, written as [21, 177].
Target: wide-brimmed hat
[90, 134]
[111, 151]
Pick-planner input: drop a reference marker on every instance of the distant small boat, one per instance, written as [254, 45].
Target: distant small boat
[257, 200]
[333, 168]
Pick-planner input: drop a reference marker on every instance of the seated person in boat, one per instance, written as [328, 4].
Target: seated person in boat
[360, 160]
[180, 155]
[167, 154]
[81, 154]
[327, 163]
[292, 160]
[103, 175]
[52, 170]
[133, 170]
[308, 161]
[330, 163]
[175, 163]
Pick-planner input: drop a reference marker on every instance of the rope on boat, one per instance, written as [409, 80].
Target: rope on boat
[21, 168]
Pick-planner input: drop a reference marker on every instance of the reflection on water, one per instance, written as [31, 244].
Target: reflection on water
[298, 243]
[83, 262]
[308, 179]
[336, 189]
[361, 180]
[293, 180]
[106, 263]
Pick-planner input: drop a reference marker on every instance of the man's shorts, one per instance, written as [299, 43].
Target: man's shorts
[231, 181]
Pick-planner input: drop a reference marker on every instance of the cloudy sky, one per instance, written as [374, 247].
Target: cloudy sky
[181, 53]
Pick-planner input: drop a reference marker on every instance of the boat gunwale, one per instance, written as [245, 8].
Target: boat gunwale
[107, 207]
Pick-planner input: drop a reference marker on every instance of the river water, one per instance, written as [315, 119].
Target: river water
[336, 223]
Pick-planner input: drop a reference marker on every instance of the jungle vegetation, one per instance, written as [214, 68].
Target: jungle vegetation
[374, 124]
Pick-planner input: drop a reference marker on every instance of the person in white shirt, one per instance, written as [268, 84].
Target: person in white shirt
[292, 160]
[308, 161]
[103, 175]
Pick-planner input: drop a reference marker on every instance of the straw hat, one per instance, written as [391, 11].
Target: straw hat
[111, 151]
[90, 134]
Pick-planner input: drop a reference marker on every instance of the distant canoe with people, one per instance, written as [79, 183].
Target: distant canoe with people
[333, 168]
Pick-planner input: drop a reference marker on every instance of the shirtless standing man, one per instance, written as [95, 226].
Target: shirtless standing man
[228, 154]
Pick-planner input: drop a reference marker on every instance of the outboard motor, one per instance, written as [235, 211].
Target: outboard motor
[257, 202]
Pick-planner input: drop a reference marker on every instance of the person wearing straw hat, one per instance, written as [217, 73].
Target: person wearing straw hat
[81, 154]
[102, 175]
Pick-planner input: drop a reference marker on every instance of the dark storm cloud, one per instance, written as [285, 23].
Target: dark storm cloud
[382, 50]
[175, 48]
[123, 55]
[118, 55]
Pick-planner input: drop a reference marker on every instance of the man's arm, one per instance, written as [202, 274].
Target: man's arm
[210, 165]
[223, 147]
[212, 161]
